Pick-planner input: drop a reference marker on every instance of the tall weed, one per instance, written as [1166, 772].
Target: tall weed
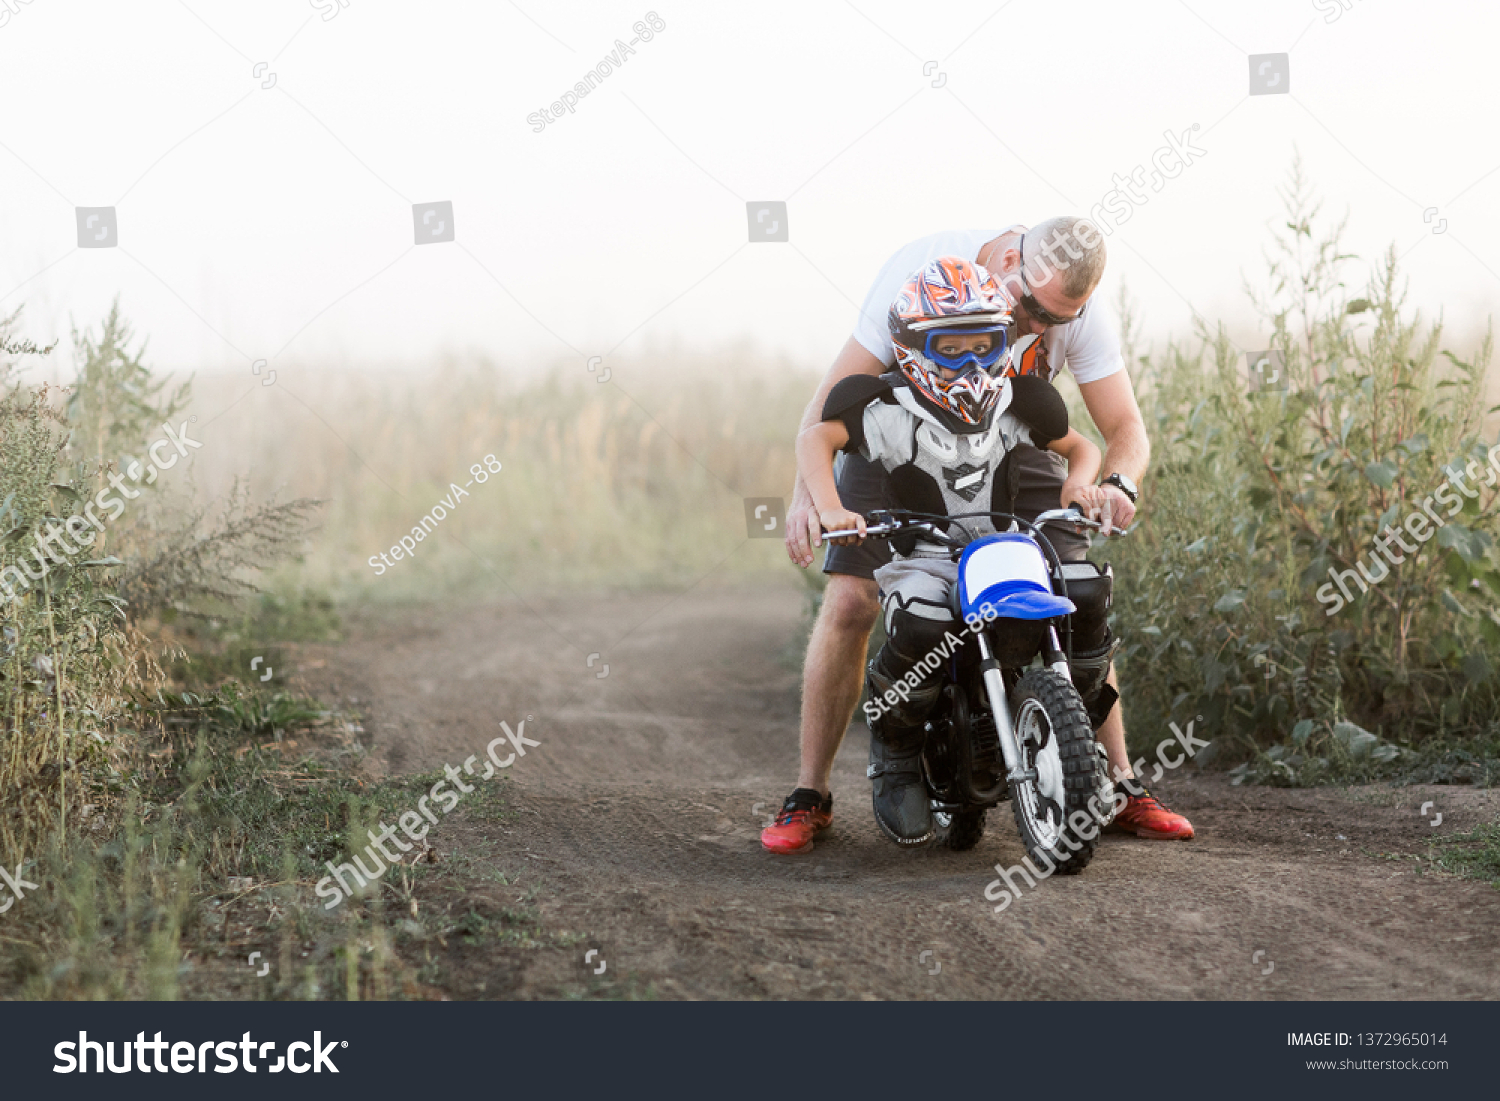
[1226, 600]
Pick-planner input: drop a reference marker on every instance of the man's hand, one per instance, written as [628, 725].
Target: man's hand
[1118, 510]
[841, 519]
[1107, 504]
[802, 527]
[1112, 405]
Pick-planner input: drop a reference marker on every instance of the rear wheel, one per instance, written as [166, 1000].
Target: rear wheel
[1057, 743]
[1104, 786]
[960, 830]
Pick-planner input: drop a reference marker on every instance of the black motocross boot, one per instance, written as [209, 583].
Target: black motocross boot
[902, 807]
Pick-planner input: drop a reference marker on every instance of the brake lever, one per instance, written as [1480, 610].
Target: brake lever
[887, 528]
[1078, 521]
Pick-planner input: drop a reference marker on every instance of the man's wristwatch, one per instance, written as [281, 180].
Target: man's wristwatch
[1124, 485]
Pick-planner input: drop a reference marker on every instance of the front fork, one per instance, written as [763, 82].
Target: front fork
[994, 687]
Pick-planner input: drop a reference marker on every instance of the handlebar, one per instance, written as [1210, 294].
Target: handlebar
[1077, 519]
[884, 524]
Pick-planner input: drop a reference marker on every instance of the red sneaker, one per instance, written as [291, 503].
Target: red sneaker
[804, 814]
[1145, 817]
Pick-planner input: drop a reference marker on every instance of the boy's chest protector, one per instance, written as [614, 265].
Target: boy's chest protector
[950, 474]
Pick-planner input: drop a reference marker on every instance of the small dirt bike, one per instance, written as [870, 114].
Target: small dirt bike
[1001, 728]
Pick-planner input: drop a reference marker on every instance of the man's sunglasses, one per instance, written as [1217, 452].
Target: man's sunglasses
[1034, 308]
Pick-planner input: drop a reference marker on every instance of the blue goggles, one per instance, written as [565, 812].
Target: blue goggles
[966, 361]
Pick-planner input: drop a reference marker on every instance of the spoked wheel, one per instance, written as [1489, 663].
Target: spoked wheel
[1057, 742]
[960, 830]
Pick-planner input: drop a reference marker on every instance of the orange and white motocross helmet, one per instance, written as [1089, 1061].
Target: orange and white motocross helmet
[951, 295]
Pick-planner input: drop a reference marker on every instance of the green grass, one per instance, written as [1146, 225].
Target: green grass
[1317, 760]
[1472, 855]
[213, 847]
[511, 927]
[216, 648]
[628, 987]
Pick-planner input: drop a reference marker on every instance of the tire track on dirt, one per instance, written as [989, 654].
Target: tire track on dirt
[635, 819]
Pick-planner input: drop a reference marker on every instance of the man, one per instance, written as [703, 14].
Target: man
[1050, 272]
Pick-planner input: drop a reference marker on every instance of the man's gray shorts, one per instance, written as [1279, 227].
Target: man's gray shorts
[863, 488]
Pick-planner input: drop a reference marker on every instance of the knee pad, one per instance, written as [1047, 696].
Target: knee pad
[1091, 588]
[908, 706]
[912, 637]
[904, 667]
[1090, 668]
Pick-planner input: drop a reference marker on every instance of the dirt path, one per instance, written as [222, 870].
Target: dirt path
[637, 830]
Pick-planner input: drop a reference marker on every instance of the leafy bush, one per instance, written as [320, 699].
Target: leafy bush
[67, 655]
[72, 648]
[1227, 604]
[115, 403]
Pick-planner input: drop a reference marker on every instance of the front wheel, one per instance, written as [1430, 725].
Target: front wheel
[1056, 741]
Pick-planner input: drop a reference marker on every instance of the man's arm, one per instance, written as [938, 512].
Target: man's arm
[1111, 403]
[802, 527]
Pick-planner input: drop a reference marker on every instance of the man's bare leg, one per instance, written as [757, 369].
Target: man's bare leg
[833, 674]
[1111, 736]
[1145, 817]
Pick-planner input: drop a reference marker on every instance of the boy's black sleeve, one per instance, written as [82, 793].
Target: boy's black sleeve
[1037, 404]
[847, 400]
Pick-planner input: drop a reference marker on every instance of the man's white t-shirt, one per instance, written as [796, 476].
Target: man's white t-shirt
[1088, 347]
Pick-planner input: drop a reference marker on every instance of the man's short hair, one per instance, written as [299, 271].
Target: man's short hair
[1067, 246]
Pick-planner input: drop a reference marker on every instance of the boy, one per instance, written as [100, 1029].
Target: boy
[942, 424]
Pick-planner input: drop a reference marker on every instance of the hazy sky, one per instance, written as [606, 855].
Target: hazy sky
[266, 211]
